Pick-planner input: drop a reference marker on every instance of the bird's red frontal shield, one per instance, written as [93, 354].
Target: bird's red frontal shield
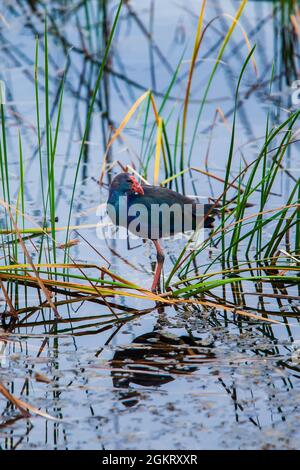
[136, 187]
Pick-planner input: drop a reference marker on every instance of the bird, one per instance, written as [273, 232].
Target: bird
[154, 212]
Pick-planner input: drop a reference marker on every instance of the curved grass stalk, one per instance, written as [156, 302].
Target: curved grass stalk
[209, 285]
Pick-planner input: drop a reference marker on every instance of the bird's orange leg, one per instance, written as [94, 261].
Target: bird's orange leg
[159, 265]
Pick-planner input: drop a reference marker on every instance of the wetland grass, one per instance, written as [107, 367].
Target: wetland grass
[254, 249]
[267, 260]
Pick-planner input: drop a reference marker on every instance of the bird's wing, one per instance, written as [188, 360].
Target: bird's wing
[157, 194]
[193, 211]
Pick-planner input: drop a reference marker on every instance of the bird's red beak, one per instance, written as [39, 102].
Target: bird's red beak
[136, 187]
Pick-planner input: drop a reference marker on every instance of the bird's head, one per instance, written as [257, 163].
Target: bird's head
[124, 183]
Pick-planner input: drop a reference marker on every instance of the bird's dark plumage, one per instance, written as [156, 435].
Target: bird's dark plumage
[156, 195]
[154, 212]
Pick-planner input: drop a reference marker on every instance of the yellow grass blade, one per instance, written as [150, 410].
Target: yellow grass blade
[198, 170]
[70, 243]
[132, 170]
[8, 300]
[296, 25]
[157, 151]
[235, 310]
[10, 267]
[199, 28]
[154, 109]
[45, 230]
[127, 118]
[159, 123]
[89, 289]
[22, 406]
[231, 28]
[116, 277]
[173, 177]
[193, 61]
[235, 21]
[121, 127]
[197, 43]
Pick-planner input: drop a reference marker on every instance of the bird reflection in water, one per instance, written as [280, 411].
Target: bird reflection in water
[154, 359]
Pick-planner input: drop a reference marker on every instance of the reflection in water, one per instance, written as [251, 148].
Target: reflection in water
[154, 359]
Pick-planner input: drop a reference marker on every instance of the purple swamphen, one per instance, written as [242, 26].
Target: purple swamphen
[154, 212]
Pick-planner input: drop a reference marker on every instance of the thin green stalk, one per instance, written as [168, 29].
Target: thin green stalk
[93, 99]
[37, 107]
[231, 149]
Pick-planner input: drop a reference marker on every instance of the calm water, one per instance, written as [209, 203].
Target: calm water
[185, 378]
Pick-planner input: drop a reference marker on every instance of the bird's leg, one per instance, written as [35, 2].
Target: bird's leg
[159, 265]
